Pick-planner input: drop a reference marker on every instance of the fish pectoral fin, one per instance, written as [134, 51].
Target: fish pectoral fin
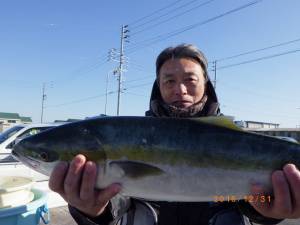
[134, 169]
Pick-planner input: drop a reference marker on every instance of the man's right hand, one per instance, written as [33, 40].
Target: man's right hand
[76, 182]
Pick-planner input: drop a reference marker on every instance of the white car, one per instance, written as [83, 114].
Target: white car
[14, 134]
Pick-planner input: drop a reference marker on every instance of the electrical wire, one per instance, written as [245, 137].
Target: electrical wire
[153, 13]
[95, 96]
[173, 17]
[255, 93]
[258, 59]
[80, 100]
[257, 50]
[80, 72]
[165, 36]
[139, 79]
[139, 95]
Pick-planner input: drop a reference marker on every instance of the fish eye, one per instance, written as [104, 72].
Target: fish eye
[44, 156]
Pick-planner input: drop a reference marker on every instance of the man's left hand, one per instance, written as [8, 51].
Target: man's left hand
[286, 189]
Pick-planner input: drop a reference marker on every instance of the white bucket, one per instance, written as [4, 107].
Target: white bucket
[15, 191]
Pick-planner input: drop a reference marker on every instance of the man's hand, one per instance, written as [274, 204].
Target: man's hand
[286, 202]
[76, 182]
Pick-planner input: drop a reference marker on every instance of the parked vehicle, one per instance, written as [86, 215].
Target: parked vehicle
[11, 136]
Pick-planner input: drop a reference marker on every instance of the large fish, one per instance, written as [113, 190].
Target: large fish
[168, 159]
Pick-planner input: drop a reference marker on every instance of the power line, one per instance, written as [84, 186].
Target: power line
[161, 37]
[249, 61]
[165, 14]
[257, 50]
[140, 69]
[258, 59]
[131, 93]
[181, 30]
[137, 65]
[81, 100]
[140, 85]
[79, 72]
[82, 71]
[139, 79]
[153, 13]
[260, 95]
[168, 13]
[96, 96]
[58, 82]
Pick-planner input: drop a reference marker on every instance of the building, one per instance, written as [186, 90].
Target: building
[66, 121]
[271, 129]
[256, 124]
[282, 132]
[8, 120]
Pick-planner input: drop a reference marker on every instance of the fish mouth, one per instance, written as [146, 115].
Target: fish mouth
[28, 160]
[31, 162]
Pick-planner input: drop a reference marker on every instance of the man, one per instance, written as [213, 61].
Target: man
[182, 89]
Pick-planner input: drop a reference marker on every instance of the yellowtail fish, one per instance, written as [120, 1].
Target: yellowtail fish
[167, 159]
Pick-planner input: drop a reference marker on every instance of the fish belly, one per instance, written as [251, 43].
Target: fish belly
[188, 184]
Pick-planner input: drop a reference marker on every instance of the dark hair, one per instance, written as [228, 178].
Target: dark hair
[188, 51]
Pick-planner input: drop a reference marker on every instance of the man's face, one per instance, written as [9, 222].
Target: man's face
[181, 82]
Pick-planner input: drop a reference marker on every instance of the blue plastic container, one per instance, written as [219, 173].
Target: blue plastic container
[31, 214]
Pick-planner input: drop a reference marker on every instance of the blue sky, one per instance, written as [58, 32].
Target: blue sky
[65, 44]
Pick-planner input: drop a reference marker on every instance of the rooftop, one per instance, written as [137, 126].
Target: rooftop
[6, 115]
[14, 116]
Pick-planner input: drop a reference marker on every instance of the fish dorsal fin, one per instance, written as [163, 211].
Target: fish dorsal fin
[221, 121]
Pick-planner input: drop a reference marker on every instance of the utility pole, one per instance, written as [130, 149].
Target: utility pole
[215, 75]
[124, 36]
[107, 75]
[44, 97]
[106, 89]
[43, 100]
[111, 55]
